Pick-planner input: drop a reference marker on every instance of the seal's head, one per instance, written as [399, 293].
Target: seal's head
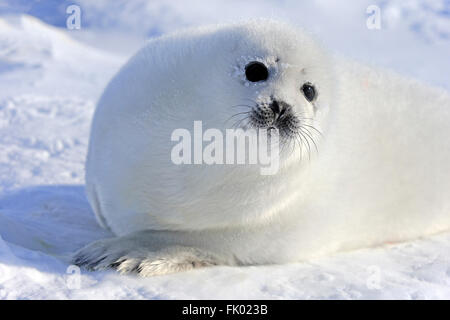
[283, 80]
[259, 74]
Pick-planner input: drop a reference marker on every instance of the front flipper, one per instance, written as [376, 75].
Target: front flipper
[127, 256]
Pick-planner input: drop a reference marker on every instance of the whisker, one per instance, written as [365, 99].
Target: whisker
[300, 144]
[241, 105]
[238, 122]
[283, 144]
[307, 143]
[251, 100]
[308, 134]
[237, 114]
[312, 127]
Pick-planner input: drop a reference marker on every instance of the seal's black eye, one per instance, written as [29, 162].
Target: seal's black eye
[309, 91]
[256, 71]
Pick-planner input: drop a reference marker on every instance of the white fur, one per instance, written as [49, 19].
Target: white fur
[382, 172]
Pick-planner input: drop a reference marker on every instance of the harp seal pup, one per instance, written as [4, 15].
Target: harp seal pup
[381, 171]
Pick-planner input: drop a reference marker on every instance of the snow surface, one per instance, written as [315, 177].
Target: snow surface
[50, 79]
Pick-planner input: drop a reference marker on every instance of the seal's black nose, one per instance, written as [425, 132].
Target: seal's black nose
[277, 108]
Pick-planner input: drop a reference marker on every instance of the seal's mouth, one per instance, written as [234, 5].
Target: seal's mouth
[275, 115]
[293, 129]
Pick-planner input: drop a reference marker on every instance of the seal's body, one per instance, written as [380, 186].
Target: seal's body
[381, 171]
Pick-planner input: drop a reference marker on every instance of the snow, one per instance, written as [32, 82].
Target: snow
[50, 79]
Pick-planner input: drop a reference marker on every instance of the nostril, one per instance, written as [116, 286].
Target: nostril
[275, 107]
